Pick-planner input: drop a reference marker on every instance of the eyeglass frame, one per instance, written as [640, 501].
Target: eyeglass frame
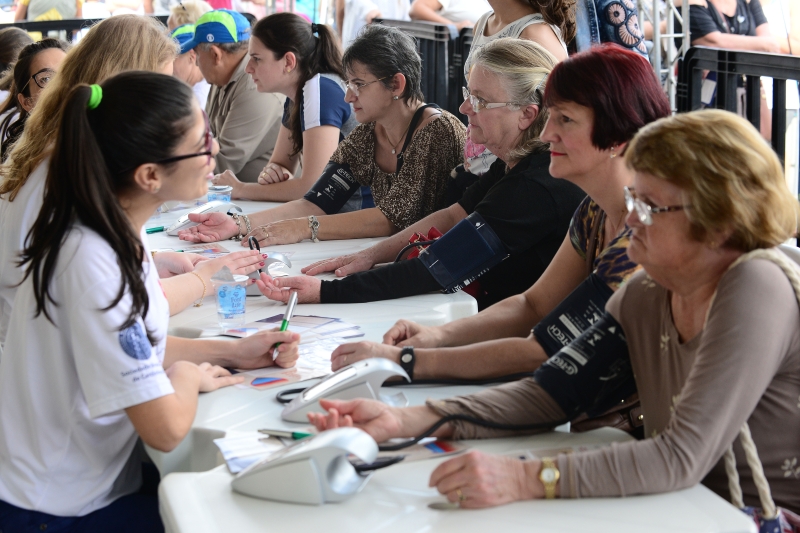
[209, 148]
[477, 106]
[356, 87]
[33, 77]
[645, 212]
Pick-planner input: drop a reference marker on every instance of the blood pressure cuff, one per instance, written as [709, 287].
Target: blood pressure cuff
[582, 308]
[465, 252]
[334, 188]
[592, 374]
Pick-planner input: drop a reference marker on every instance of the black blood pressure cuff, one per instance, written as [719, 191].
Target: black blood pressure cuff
[593, 373]
[462, 254]
[582, 308]
[334, 188]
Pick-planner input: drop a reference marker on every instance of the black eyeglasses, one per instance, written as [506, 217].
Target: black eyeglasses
[41, 78]
[209, 145]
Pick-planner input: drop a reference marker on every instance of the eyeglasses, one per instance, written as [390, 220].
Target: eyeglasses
[644, 211]
[356, 87]
[41, 78]
[479, 103]
[208, 148]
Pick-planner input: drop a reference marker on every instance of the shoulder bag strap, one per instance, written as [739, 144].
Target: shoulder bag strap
[410, 135]
[756, 468]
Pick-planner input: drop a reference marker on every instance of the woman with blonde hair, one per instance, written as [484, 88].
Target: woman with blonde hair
[117, 44]
[186, 13]
[707, 332]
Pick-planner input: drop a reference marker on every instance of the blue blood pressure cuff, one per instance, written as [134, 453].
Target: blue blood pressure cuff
[592, 374]
[334, 188]
[462, 254]
[582, 308]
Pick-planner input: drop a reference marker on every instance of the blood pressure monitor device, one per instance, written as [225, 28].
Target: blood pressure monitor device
[275, 259]
[359, 380]
[311, 471]
[211, 207]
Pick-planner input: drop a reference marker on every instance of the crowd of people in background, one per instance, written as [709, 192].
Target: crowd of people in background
[572, 191]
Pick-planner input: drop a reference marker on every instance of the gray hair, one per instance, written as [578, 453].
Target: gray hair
[228, 48]
[386, 51]
[522, 68]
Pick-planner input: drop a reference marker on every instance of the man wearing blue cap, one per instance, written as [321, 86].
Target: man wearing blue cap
[185, 65]
[244, 121]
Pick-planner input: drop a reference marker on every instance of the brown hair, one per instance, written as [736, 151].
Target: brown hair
[282, 33]
[559, 13]
[114, 45]
[731, 177]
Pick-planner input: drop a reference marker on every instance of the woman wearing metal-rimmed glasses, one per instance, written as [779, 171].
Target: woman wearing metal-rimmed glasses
[403, 151]
[36, 66]
[516, 207]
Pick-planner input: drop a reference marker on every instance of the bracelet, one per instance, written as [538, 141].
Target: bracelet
[313, 223]
[199, 302]
[236, 217]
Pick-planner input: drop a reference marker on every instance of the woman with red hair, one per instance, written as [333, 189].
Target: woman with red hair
[597, 101]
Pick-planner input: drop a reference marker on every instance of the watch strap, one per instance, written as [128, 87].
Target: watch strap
[549, 476]
[407, 360]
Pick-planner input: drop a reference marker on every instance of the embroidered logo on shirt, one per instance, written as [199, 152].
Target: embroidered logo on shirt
[134, 342]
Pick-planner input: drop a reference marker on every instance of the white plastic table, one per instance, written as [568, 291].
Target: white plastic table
[232, 408]
[397, 499]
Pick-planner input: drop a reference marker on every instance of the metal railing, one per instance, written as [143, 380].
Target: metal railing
[70, 26]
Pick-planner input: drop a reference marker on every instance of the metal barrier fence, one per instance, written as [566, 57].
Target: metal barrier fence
[68, 25]
[730, 66]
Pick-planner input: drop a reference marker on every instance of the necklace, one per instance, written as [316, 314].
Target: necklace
[394, 145]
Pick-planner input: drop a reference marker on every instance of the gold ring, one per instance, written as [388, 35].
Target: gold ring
[461, 497]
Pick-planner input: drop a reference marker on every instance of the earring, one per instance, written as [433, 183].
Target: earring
[395, 97]
[156, 189]
[613, 155]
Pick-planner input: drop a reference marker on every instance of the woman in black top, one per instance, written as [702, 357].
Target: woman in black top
[732, 25]
[506, 228]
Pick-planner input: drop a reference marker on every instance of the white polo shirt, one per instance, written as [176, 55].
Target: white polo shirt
[65, 441]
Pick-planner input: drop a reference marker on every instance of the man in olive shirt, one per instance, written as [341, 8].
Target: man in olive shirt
[244, 121]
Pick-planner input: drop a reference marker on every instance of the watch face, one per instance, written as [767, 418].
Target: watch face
[548, 475]
[406, 358]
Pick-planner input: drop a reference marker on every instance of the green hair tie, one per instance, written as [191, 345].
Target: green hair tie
[97, 96]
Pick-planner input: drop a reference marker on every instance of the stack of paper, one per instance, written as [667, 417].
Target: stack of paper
[319, 336]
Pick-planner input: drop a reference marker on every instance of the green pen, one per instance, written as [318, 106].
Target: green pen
[287, 317]
[157, 229]
[296, 435]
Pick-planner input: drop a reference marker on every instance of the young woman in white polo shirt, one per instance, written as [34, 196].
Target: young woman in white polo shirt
[88, 367]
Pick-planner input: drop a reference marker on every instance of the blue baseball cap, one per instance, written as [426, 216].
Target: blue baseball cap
[218, 27]
[183, 35]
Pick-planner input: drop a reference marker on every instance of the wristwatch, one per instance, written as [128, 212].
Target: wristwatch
[313, 223]
[549, 476]
[407, 360]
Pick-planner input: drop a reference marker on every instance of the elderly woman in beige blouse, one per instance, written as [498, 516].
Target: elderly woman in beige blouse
[712, 330]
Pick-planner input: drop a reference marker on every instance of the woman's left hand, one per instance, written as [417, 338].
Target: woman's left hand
[282, 232]
[242, 263]
[476, 480]
[229, 178]
[171, 264]
[256, 351]
[279, 289]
